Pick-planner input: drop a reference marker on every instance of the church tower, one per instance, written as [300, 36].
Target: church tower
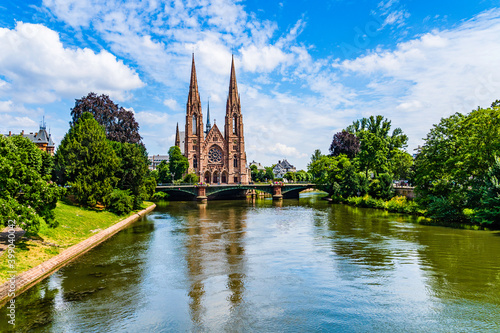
[194, 135]
[233, 133]
[214, 157]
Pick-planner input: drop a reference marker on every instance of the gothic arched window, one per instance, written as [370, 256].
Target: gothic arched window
[234, 125]
[195, 162]
[235, 162]
[195, 124]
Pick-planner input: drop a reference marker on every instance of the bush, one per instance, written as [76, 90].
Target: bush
[120, 202]
[190, 178]
[445, 209]
[381, 187]
[158, 196]
[398, 204]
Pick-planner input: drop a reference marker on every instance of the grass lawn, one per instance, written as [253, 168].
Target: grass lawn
[75, 225]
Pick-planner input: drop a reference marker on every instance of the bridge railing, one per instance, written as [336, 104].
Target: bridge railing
[221, 184]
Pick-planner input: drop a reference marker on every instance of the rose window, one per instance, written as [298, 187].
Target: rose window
[214, 155]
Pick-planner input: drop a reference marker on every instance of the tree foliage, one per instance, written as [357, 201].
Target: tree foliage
[26, 193]
[454, 163]
[132, 173]
[178, 163]
[489, 211]
[164, 175]
[345, 143]
[190, 178]
[120, 124]
[379, 147]
[86, 162]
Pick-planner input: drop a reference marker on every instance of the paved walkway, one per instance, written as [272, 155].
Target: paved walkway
[4, 237]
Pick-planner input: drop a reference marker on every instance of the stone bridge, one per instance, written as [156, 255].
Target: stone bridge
[203, 192]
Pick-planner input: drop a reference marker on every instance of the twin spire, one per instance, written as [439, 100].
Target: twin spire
[194, 95]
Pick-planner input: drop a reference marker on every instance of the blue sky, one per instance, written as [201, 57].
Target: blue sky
[305, 69]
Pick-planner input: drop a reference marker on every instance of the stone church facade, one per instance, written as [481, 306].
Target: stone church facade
[216, 158]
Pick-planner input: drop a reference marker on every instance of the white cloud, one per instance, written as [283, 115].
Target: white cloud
[6, 106]
[393, 13]
[262, 59]
[75, 12]
[278, 150]
[40, 69]
[432, 76]
[172, 104]
[151, 118]
[10, 122]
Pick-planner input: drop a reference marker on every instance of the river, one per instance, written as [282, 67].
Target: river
[299, 265]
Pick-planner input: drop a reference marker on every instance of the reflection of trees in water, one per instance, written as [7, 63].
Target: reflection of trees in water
[110, 273]
[361, 235]
[35, 309]
[456, 263]
[461, 263]
[214, 247]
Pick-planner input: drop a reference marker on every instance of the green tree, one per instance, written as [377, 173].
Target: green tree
[133, 170]
[401, 165]
[177, 162]
[191, 178]
[254, 173]
[489, 211]
[26, 194]
[314, 157]
[269, 175]
[302, 176]
[454, 161]
[381, 187]
[164, 175]
[290, 176]
[373, 154]
[379, 147]
[86, 162]
[337, 175]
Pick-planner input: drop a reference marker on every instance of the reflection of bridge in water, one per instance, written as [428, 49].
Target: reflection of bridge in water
[226, 191]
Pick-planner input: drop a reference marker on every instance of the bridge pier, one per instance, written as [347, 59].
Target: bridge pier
[202, 194]
[277, 192]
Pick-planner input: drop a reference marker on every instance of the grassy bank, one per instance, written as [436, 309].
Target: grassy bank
[75, 225]
[400, 204]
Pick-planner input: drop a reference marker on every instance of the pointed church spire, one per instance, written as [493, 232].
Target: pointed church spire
[209, 126]
[177, 137]
[194, 96]
[233, 87]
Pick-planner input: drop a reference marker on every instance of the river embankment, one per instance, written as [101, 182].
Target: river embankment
[58, 255]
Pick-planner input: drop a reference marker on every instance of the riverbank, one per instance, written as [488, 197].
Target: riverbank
[79, 230]
[402, 205]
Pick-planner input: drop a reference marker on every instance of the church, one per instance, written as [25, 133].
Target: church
[215, 157]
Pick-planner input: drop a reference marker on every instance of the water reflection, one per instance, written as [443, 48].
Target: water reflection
[259, 265]
[214, 249]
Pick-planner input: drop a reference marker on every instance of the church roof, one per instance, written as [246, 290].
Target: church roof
[214, 135]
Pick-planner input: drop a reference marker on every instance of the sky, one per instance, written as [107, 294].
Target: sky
[305, 69]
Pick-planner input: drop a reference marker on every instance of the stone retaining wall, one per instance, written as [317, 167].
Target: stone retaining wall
[31, 277]
[406, 191]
